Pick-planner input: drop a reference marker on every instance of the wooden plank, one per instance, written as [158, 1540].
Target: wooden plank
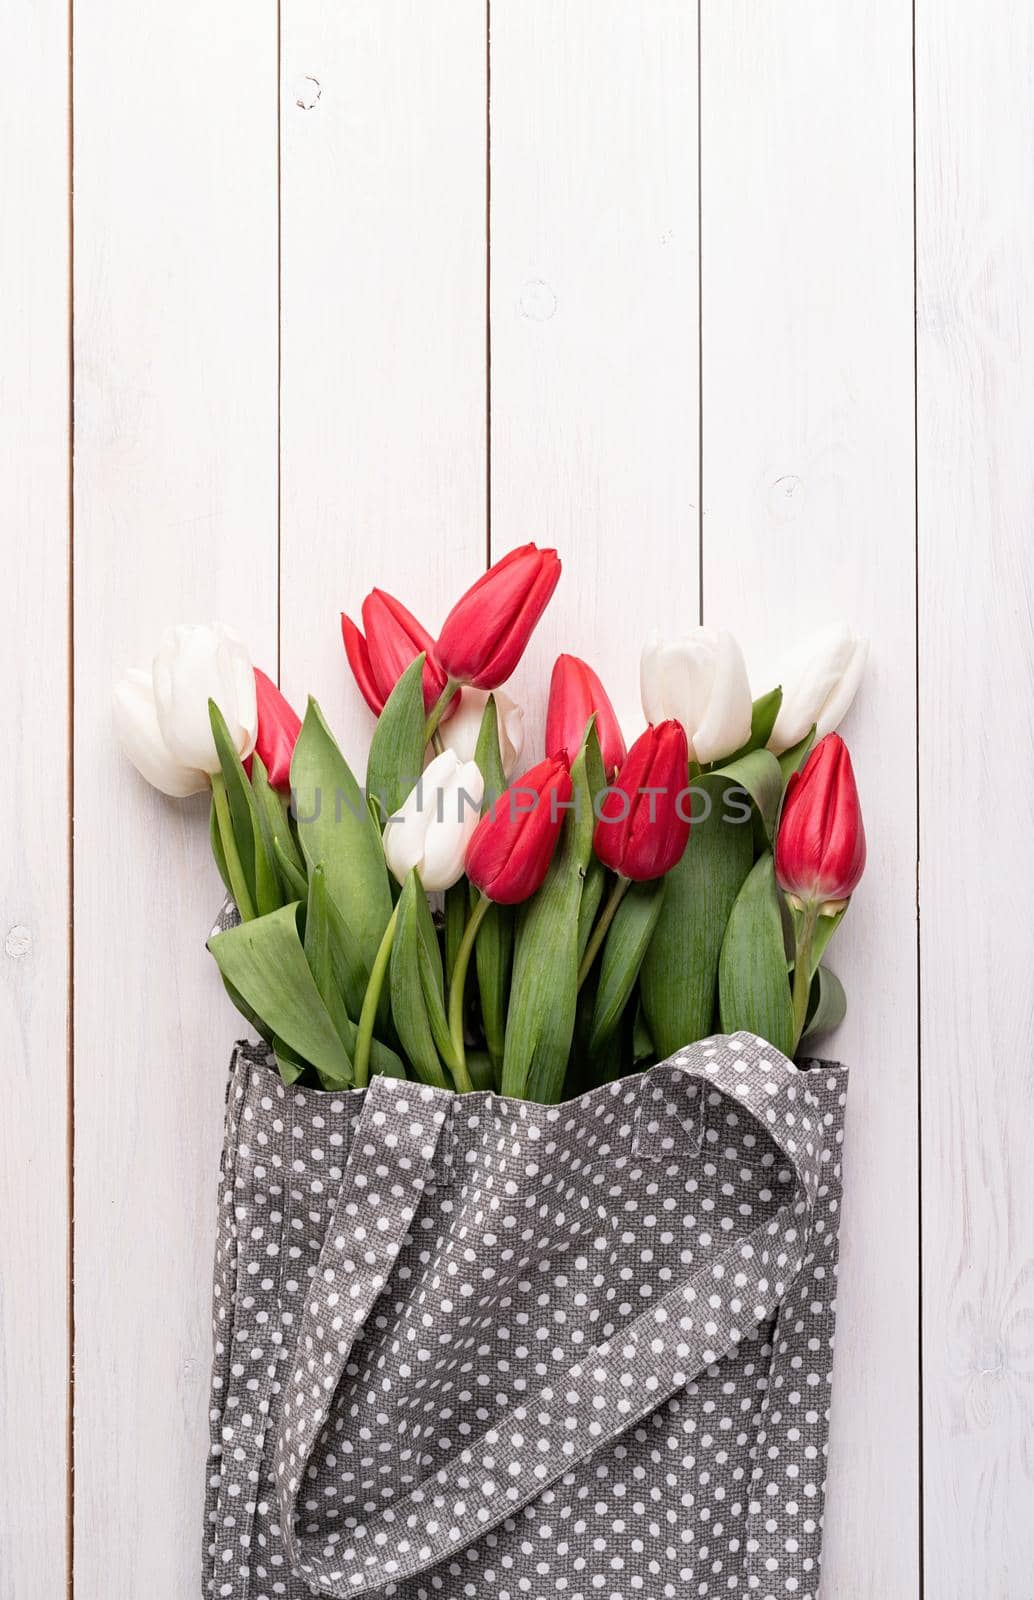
[975, 190]
[34, 457]
[594, 418]
[808, 489]
[175, 506]
[384, 280]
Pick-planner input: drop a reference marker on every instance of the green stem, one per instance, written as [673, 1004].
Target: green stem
[437, 711]
[231, 855]
[805, 933]
[364, 1032]
[599, 933]
[459, 979]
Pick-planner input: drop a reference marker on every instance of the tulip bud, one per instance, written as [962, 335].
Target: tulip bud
[460, 733]
[509, 855]
[485, 633]
[820, 679]
[393, 639]
[278, 728]
[820, 849]
[575, 694]
[195, 664]
[136, 725]
[434, 825]
[701, 681]
[643, 825]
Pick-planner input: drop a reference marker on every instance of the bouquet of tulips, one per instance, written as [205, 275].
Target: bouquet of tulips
[536, 934]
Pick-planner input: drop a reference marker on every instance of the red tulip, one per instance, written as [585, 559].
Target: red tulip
[513, 844]
[393, 639]
[575, 693]
[820, 850]
[278, 730]
[643, 825]
[486, 631]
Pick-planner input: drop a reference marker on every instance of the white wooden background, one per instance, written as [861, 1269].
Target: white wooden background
[734, 302]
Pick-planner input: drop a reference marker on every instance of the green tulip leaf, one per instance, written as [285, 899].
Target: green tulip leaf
[457, 902]
[608, 1062]
[754, 992]
[326, 946]
[337, 832]
[218, 854]
[396, 757]
[792, 760]
[430, 949]
[760, 774]
[283, 831]
[679, 977]
[262, 795]
[762, 720]
[592, 895]
[408, 1005]
[628, 938]
[251, 1017]
[587, 780]
[385, 1062]
[291, 1066]
[643, 1049]
[827, 1005]
[544, 990]
[257, 862]
[292, 876]
[432, 980]
[596, 778]
[272, 813]
[238, 795]
[265, 962]
[493, 955]
[580, 1066]
[479, 1066]
[272, 826]
[825, 928]
[488, 756]
[382, 1059]
[493, 952]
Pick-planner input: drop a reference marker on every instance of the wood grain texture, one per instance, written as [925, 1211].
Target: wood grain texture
[384, 279]
[34, 801]
[809, 511]
[175, 506]
[594, 324]
[976, 499]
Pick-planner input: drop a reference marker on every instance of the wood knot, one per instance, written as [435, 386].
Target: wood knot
[18, 943]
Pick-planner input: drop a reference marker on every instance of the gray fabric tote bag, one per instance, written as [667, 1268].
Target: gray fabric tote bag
[468, 1346]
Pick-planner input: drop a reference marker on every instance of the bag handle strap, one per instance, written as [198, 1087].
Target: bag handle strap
[390, 1163]
[615, 1386]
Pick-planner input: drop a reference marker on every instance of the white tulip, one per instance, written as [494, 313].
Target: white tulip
[136, 725]
[820, 679]
[433, 827]
[195, 664]
[701, 681]
[460, 733]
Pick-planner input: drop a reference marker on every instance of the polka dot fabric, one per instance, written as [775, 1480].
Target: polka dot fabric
[468, 1346]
